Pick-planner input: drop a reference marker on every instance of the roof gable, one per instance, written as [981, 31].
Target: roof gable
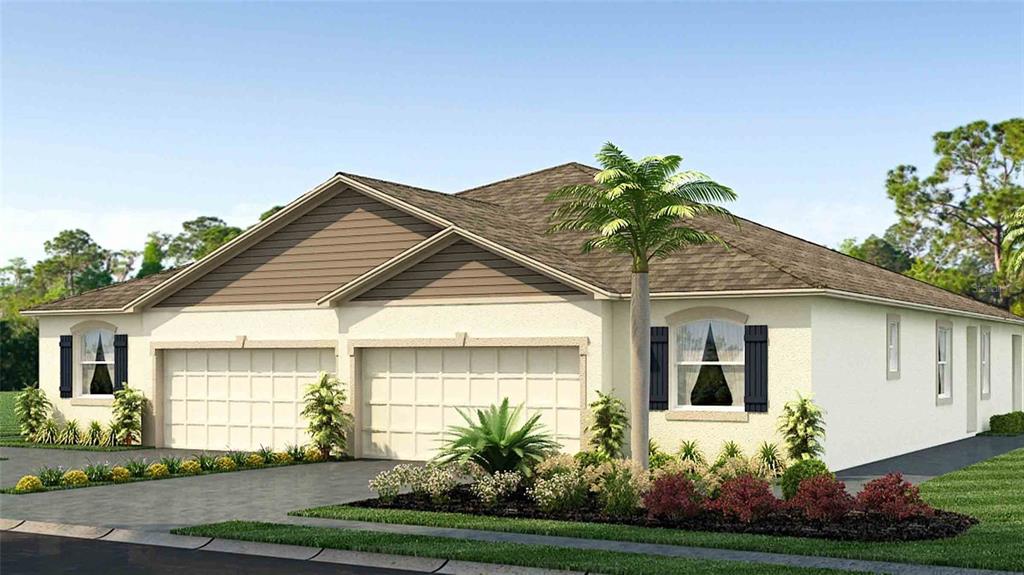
[465, 270]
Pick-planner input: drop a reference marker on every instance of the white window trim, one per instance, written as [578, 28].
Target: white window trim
[77, 333]
[890, 373]
[985, 362]
[677, 320]
[946, 397]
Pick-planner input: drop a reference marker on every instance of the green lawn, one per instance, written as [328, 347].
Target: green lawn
[8, 422]
[992, 491]
[612, 563]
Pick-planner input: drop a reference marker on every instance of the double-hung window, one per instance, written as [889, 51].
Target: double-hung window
[709, 359]
[892, 347]
[944, 360]
[97, 361]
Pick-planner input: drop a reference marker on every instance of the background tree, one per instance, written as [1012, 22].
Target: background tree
[878, 251]
[642, 209]
[77, 259]
[153, 254]
[270, 212]
[961, 211]
[19, 352]
[200, 237]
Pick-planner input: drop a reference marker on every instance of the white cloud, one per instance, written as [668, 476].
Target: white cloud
[23, 231]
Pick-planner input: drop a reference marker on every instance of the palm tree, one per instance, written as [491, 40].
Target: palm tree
[640, 209]
[1014, 243]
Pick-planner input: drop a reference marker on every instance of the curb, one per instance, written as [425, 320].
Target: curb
[276, 550]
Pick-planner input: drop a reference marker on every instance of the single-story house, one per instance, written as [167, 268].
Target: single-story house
[424, 302]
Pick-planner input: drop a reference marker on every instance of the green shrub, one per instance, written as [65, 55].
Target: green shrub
[589, 458]
[496, 444]
[128, 404]
[157, 471]
[608, 428]
[238, 457]
[802, 469]
[620, 487]
[297, 452]
[730, 450]
[802, 425]
[50, 476]
[1008, 423]
[493, 489]
[254, 460]
[324, 409]
[281, 458]
[206, 461]
[74, 478]
[49, 432]
[97, 472]
[71, 434]
[267, 453]
[137, 467]
[94, 434]
[562, 491]
[173, 464]
[690, 451]
[29, 484]
[32, 409]
[119, 474]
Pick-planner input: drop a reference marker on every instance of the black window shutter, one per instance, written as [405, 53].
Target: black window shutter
[66, 366]
[120, 361]
[755, 368]
[659, 369]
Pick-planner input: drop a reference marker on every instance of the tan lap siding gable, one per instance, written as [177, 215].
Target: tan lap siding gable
[328, 246]
[465, 270]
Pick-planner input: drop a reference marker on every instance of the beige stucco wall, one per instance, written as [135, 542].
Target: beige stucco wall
[789, 370]
[869, 417]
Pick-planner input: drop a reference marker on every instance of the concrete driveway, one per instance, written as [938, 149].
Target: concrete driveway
[262, 494]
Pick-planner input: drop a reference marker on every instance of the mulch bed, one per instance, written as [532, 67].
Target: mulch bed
[856, 526]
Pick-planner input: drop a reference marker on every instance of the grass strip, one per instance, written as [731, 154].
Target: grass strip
[543, 556]
[993, 544]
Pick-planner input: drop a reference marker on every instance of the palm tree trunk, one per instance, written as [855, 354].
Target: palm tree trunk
[640, 366]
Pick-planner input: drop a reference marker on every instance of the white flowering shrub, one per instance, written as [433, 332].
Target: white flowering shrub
[387, 484]
[491, 489]
[561, 491]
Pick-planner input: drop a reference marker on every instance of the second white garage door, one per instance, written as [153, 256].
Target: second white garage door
[240, 398]
[411, 395]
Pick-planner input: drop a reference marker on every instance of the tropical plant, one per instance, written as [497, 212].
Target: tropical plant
[802, 425]
[608, 426]
[49, 432]
[267, 453]
[770, 461]
[495, 443]
[690, 451]
[94, 434]
[136, 467]
[798, 472]
[32, 409]
[128, 404]
[297, 452]
[173, 464]
[1013, 244]
[50, 476]
[206, 461]
[325, 410]
[97, 472]
[71, 434]
[730, 450]
[238, 457]
[646, 210]
[110, 435]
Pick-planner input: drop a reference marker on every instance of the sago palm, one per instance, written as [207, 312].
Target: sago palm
[495, 443]
[643, 209]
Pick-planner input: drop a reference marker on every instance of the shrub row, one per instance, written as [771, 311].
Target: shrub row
[139, 468]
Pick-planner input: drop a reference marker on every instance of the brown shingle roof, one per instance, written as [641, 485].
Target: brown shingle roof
[512, 213]
[113, 296]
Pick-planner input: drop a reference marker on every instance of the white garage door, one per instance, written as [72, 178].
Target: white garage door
[410, 396]
[239, 398]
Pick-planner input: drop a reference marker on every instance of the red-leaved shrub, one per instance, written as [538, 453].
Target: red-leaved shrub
[893, 497]
[745, 498]
[673, 496]
[822, 497]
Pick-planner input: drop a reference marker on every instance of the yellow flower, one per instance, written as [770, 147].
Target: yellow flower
[224, 463]
[190, 467]
[74, 478]
[120, 474]
[254, 460]
[157, 471]
[282, 458]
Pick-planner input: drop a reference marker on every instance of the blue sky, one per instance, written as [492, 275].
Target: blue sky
[126, 118]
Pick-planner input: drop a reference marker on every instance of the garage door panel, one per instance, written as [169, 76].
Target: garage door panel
[405, 413]
[238, 399]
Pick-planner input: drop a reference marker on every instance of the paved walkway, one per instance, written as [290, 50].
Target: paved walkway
[920, 466]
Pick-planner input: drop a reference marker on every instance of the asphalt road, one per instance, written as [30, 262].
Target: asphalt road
[23, 553]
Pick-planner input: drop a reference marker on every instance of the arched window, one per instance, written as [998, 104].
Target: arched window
[709, 364]
[97, 361]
